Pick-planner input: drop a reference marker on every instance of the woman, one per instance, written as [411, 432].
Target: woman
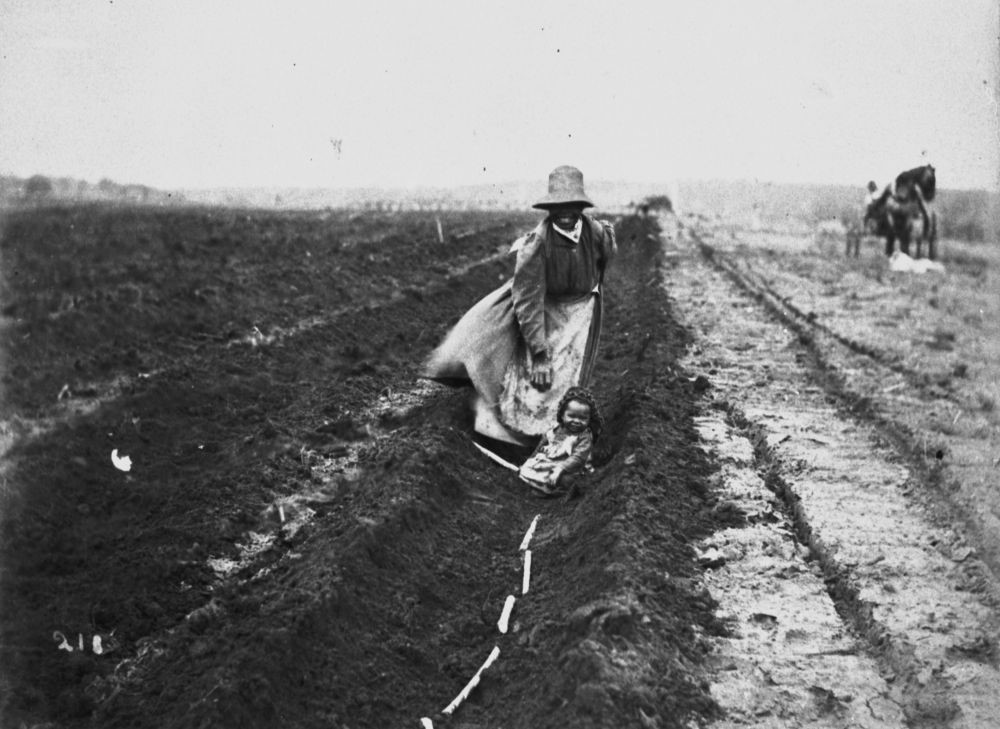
[525, 344]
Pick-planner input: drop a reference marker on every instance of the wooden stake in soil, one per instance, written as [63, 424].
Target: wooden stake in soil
[473, 682]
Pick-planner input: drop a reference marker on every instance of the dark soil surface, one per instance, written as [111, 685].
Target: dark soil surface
[237, 357]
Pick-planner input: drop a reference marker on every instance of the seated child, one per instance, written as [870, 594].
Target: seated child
[564, 451]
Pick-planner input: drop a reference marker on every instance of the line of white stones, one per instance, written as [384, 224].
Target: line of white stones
[508, 607]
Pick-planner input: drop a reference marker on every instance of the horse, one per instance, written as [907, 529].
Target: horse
[893, 214]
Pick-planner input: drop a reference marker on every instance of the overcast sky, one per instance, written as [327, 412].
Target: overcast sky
[203, 93]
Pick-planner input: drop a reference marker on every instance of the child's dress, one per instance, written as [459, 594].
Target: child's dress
[558, 447]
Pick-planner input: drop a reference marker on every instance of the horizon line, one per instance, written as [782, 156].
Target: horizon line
[456, 185]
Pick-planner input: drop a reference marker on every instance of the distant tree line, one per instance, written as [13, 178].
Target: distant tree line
[39, 189]
[38, 186]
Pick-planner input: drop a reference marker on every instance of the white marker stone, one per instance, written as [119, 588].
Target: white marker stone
[122, 464]
[508, 606]
[527, 572]
[530, 533]
[473, 682]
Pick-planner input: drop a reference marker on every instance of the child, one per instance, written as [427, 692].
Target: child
[564, 451]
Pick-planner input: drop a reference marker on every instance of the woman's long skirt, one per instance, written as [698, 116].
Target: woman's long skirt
[485, 348]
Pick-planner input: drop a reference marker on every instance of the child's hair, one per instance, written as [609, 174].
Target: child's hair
[582, 394]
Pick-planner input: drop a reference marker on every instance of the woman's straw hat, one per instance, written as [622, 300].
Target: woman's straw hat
[565, 186]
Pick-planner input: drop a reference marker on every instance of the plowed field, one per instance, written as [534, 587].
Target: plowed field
[308, 538]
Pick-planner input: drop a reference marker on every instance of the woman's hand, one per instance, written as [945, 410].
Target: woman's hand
[541, 372]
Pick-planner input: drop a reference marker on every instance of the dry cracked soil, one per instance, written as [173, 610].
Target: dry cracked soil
[307, 536]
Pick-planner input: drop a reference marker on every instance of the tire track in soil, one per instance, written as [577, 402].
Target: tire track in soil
[843, 362]
[759, 573]
[743, 273]
[380, 609]
[913, 598]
